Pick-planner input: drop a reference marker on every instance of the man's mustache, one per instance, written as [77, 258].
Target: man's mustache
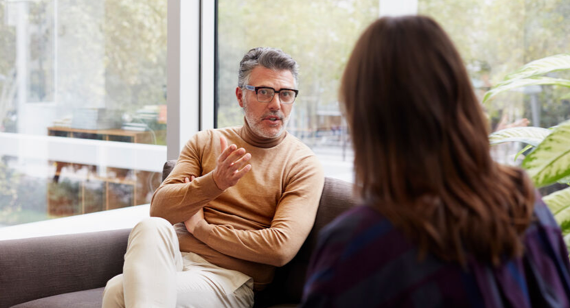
[277, 114]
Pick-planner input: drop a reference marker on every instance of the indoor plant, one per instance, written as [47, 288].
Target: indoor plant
[547, 158]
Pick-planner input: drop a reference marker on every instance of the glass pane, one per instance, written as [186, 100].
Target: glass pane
[319, 35]
[497, 37]
[76, 75]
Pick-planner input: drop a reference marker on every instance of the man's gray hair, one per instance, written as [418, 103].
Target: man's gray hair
[267, 57]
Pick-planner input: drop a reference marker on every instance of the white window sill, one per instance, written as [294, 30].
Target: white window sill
[108, 220]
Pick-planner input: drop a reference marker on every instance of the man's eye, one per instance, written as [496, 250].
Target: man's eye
[263, 91]
[286, 94]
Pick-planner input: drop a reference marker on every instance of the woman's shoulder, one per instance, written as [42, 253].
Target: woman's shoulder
[354, 220]
[360, 230]
[543, 213]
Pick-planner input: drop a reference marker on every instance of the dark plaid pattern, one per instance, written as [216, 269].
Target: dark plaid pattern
[363, 261]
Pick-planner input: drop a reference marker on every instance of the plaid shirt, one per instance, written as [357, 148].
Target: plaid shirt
[363, 261]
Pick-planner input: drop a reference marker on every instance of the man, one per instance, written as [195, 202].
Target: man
[247, 195]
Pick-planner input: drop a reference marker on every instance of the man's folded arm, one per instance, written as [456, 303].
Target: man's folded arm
[278, 244]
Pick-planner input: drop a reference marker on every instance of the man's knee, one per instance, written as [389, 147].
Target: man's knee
[113, 295]
[152, 224]
[152, 230]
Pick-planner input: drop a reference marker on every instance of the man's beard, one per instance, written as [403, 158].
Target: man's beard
[256, 124]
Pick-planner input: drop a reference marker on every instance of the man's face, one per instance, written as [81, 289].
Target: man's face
[266, 119]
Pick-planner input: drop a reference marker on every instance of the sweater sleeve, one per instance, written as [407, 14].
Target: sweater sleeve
[177, 201]
[293, 220]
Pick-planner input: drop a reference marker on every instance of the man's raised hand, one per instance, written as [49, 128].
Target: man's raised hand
[231, 166]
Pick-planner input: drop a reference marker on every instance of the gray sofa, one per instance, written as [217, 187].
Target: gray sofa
[72, 270]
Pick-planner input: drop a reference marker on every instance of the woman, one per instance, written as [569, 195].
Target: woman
[441, 224]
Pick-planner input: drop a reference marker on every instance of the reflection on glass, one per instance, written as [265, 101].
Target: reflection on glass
[22, 197]
[63, 189]
[82, 70]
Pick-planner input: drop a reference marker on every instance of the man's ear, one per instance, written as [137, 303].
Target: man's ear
[239, 96]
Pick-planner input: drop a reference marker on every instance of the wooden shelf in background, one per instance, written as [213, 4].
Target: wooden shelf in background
[127, 188]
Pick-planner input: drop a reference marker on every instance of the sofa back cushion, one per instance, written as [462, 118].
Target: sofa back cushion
[167, 168]
[287, 286]
[44, 266]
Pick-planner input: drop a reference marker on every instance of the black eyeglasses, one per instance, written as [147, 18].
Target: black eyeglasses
[265, 94]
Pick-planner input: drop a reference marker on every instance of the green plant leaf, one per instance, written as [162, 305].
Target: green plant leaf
[522, 151]
[550, 160]
[558, 201]
[563, 217]
[565, 180]
[565, 96]
[565, 226]
[517, 83]
[529, 135]
[541, 67]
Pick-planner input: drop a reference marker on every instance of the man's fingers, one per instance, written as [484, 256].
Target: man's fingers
[235, 155]
[192, 178]
[238, 164]
[186, 180]
[227, 152]
[240, 173]
[231, 165]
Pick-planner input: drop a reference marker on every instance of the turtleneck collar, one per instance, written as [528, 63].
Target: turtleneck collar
[247, 134]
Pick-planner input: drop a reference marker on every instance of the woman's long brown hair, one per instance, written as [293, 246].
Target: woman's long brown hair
[421, 147]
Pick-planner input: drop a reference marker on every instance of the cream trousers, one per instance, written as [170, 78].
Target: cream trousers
[157, 274]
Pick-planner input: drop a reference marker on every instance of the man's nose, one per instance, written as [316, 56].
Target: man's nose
[275, 103]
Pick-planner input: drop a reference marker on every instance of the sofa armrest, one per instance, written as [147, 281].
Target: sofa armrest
[45, 266]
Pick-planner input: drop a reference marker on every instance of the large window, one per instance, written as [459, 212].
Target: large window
[82, 106]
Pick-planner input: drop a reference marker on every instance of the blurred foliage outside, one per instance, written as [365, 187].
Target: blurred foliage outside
[111, 50]
[494, 37]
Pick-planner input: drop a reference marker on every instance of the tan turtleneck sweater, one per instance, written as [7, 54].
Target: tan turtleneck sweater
[259, 223]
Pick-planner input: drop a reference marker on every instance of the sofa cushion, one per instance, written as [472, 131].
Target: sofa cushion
[92, 298]
[40, 267]
[83, 299]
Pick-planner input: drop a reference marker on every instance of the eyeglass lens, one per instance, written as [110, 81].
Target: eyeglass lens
[266, 95]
